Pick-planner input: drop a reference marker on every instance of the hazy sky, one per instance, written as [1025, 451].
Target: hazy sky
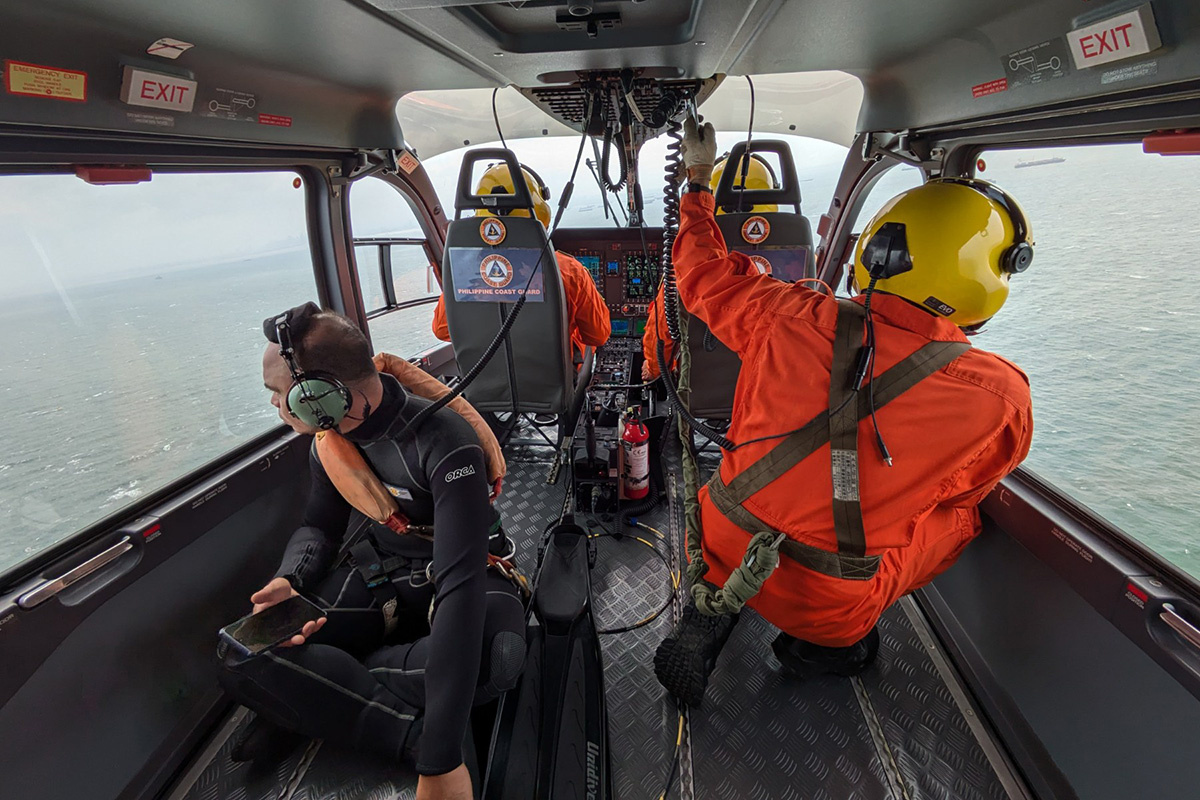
[57, 232]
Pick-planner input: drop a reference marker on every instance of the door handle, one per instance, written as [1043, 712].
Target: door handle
[44, 591]
[1180, 625]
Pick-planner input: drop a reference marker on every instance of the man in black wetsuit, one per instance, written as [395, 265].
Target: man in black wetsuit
[398, 684]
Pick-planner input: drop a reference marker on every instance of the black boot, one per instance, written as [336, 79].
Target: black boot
[801, 659]
[264, 741]
[687, 657]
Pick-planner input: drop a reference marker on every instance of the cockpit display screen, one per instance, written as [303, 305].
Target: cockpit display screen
[592, 263]
[620, 327]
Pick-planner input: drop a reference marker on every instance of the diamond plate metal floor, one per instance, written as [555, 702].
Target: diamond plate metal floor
[900, 733]
[761, 736]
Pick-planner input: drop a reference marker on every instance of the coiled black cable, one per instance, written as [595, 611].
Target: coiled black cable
[622, 159]
[671, 224]
[672, 174]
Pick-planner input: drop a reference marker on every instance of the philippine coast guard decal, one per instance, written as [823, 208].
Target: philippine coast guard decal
[492, 231]
[483, 275]
[756, 229]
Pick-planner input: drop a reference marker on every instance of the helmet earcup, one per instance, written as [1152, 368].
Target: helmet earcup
[318, 402]
[1017, 258]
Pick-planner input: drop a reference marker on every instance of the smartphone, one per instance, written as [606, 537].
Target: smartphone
[256, 632]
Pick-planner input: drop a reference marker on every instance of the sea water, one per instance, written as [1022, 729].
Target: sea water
[111, 390]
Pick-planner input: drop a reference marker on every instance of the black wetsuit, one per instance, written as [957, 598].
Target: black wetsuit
[409, 692]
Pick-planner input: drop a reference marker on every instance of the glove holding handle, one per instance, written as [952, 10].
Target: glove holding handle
[699, 150]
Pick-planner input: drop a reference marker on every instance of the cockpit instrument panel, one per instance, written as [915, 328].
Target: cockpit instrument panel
[626, 266]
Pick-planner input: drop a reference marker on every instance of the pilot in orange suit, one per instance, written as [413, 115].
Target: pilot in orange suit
[587, 315]
[935, 263]
[655, 321]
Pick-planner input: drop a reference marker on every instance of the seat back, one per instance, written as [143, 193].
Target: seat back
[780, 243]
[488, 264]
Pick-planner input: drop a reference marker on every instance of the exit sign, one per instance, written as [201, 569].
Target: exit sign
[1133, 33]
[141, 87]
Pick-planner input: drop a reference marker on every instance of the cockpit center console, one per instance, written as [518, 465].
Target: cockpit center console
[625, 264]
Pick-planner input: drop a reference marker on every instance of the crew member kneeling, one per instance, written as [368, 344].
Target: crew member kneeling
[419, 628]
[587, 316]
[898, 427]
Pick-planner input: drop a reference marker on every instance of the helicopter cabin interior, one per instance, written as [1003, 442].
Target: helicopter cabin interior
[171, 173]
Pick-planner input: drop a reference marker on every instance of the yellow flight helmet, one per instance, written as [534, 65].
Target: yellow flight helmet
[949, 245]
[759, 176]
[496, 180]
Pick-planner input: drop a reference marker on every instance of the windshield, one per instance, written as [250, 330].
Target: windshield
[818, 164]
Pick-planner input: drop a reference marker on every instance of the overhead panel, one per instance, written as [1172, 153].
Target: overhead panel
[532, 42]
[820, 105]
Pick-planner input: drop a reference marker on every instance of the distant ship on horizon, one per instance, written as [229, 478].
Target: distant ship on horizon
[1039, 162]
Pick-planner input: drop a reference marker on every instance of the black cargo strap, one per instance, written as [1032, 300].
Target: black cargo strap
[840, 429]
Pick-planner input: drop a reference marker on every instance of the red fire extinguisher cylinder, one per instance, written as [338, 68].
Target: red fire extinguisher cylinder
[635, 440]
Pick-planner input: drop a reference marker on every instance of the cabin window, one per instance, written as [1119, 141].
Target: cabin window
[1104, 323]
[395, 269]
[130, 317]
[900, 178]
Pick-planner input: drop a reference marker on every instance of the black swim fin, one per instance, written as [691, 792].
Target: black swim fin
[551, 734]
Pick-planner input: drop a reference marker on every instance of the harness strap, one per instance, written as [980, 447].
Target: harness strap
[374, 572]
[850, 561]
[843, 430]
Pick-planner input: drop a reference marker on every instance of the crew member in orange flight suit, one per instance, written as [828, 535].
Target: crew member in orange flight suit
[757, 178]
[941, 256]
[587, 315]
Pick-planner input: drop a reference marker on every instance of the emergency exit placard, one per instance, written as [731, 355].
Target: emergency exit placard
[35, 80]
[141, 87]
[1133, 33]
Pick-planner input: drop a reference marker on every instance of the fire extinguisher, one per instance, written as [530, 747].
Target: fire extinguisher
[635, 440]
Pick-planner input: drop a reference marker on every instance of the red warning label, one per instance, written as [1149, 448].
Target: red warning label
[273, 119]
[991, 87]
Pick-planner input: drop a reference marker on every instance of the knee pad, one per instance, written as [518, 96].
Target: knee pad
[505, 662]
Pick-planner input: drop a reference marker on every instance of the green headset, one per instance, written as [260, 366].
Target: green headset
[317, 399]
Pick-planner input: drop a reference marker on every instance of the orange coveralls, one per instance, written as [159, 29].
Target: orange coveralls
[655, 322]
[587, 315]
[953, 436]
